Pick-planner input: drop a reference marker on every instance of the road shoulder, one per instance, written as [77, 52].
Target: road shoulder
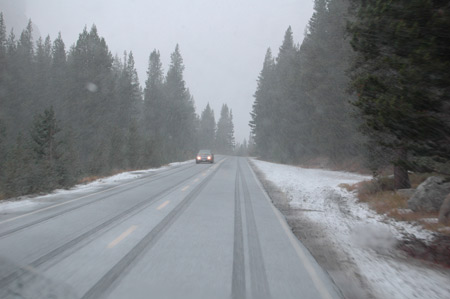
[339, 266]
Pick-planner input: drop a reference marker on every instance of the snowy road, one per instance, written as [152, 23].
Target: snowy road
[189, 231]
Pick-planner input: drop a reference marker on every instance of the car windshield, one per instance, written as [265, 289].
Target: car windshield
[308, 158]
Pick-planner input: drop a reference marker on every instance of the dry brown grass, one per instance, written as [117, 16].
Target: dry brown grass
[92, 178]
[384, 202]
[418, 178]
[369, 191]
[380, 197]
[427, 220]
[348, 187]
[350, 164]
[89, 179]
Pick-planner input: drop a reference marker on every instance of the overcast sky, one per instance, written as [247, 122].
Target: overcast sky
[223, 43]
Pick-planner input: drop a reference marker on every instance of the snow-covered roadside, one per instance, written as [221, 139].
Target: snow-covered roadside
[366, 237]
[32, 201]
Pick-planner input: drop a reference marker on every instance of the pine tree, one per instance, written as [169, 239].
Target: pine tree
[68, 168]
[3, 52]
[3, 38]
[251, 145]
[59, 52]
[42, 77]
[3, 74]
[154, 112]
[230, 137]
[242, 149]
[402, 80]
[325, 57]
[2, 156]
[263, 119]
[180, 119]
[98, 99]
[59, 84]
[25, 46]
[154, 107]
[207, 129]
[134, 89]
[225, 132]
[133, 146]
[126, 104]
[301, 108]
[286, 107]
[18, 169]
[9, 90]
[22, 79]
[91, 96]
[45, 146]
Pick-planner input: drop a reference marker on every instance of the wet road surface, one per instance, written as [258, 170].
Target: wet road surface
[192, 231]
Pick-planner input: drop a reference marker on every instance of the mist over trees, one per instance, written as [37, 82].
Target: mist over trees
[370, 80]
[68, 114]
[301, 109]
[225, 132]
[207, 128]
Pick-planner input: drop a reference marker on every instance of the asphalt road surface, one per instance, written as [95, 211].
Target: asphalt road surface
[192, 231]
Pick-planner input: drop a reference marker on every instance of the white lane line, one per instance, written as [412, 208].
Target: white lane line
[185, 188]
[318, 283]
[161, 206]
[196, 180]
[122, 236]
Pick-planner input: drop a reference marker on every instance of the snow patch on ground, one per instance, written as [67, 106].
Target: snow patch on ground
[30, 202]
[6, 206]
[367, 237]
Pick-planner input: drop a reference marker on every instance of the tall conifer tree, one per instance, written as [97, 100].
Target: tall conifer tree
[401, 77]
[225, 132]
[262, 123]
[180, 119]
[207, 129]
[154, 112]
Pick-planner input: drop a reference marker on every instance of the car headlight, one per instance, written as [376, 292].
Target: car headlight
[199, 158]
[209, 157]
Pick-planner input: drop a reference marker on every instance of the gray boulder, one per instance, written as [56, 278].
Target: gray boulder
[430, 195]
[444, 213]
[406, 192]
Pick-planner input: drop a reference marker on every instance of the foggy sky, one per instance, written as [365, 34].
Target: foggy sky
[223, 43]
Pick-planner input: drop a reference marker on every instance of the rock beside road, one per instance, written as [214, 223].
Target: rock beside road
[430, 195]
[444, 213]
[436, 251]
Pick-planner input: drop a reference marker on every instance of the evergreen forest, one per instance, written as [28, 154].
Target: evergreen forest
[71, 114]
[369, 83]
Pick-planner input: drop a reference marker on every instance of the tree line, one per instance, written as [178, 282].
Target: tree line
[370, 80]
[71, 114]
